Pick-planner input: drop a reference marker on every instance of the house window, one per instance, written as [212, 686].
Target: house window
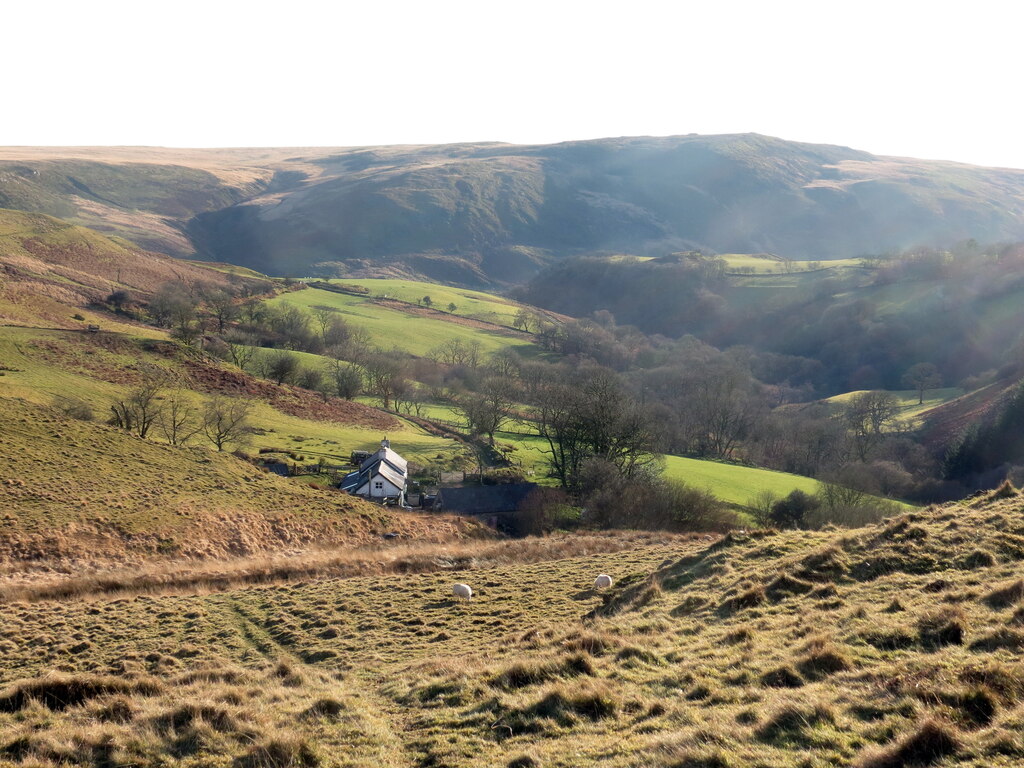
[378, 486]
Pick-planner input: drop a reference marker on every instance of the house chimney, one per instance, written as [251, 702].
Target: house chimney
[385, 443]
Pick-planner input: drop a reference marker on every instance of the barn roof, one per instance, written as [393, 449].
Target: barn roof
[484, 499]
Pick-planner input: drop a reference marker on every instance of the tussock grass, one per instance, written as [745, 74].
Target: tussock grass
[1006, 595]
[421, 557]
[944, 627]
[385, 670]
[931, 742]
[59, 691]
[791, 724]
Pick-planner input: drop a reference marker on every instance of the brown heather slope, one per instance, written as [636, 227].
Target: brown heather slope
[944, 423]
[47, 264]
[897, 645]
[78, 495]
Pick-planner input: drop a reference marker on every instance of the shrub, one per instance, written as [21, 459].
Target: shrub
[75, 408]
[791, 511]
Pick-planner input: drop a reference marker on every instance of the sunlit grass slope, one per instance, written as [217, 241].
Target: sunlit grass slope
[910, 408]
[474, 304]
[50, 366]
[764, 263]
[417, 332]
[734, 483]
[76, 494]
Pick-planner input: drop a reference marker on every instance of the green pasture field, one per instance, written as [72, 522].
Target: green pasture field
[734, 483]
[475, 304]
[910, 409]
[390, 328]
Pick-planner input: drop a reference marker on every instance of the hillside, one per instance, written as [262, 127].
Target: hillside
[393, 322]
[895, 645]
[48, 266]
[88, 496]
[484, 214]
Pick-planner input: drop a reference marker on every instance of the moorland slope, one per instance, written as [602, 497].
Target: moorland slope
[889, 646]
[494, 213]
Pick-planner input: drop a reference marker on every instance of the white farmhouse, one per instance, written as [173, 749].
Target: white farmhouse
[382, 477]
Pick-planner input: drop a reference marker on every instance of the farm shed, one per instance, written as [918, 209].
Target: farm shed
[494, 505]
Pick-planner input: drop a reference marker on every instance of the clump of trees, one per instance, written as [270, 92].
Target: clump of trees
[156, 406]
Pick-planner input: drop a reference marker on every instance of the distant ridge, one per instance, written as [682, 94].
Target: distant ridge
[492, 214]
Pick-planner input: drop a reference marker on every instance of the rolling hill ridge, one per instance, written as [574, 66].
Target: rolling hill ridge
[479, 214]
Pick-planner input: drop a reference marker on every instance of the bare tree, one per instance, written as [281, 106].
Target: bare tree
[280, 366]
[922, 377]
[506, 363]
[226, 421]
[868, 416]
[178, 420]
[347, 379]
[242, 349]
[222, 306]
[524, 319]
[593, 417]
[139, 410]
[487, 410]
[384, 374]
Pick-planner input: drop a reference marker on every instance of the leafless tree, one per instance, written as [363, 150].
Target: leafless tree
[226, 421]
[385, 374]
[178, 420]
[222, 306]
[922, 377]
[347, 378]
[139, 410]
[485, 411]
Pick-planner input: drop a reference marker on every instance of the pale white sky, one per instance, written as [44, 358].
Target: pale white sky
[924, 79]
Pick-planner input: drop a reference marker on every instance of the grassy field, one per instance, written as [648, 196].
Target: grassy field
[391, 326]
[891, 646]
[87, 495]
[733, 483]
[910, 408]
[96, 369]
[474, 304]
[765, 264]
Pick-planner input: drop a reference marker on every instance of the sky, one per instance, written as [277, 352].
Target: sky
[921, 79]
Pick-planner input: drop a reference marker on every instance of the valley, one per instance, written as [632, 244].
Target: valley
[794, 450]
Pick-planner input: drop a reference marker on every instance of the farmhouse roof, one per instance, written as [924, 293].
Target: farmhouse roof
[385, 462]
[386, 454]
[484, 499]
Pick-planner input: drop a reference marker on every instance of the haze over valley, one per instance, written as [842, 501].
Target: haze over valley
[399, 385]
[493, 214]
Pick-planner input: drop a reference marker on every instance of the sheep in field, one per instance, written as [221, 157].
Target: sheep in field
[463, 591]
[603, 581]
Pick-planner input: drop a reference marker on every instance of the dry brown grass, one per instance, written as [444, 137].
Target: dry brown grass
[421, 557]
[868, 668]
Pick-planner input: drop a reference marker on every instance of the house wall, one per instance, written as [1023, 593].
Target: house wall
[370, 488]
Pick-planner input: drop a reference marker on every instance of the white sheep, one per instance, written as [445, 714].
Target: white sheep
[463, 591]
[603, 581]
